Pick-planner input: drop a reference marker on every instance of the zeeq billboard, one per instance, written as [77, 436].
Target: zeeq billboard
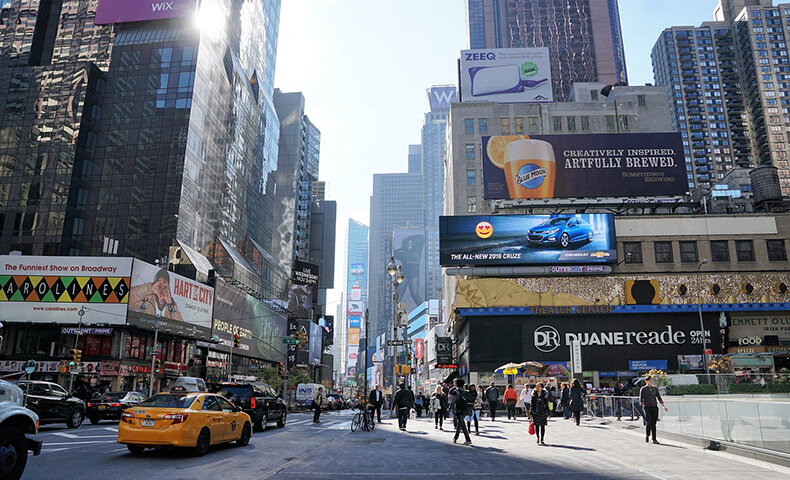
[527, 239]
[506, 75]
[591, 165]
[123, 11]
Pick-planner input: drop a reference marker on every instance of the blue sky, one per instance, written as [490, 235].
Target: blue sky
[364, 66]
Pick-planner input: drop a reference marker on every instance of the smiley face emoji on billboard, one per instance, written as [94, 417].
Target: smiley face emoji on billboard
[484, 230]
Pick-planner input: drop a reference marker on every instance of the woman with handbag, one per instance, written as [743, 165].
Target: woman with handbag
[539, 411]
[577, 395]
[439, 407]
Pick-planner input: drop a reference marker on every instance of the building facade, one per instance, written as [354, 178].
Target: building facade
[355, 299]
[397, 202]
[297, 169]
[584, 38]
[625, 110]
[706, 275]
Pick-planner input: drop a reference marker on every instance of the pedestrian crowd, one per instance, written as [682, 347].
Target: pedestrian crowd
[466, 405]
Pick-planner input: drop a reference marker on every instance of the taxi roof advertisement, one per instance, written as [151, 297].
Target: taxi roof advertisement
[583, 165]
[511, 240]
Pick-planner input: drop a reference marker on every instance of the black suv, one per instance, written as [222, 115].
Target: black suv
[257, 400]
[52, 403]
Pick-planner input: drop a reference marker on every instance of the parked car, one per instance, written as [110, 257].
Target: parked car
[191, 419]
[15, 422]
[52, 403]
[111, 405]
[561, 231]
[258, 400]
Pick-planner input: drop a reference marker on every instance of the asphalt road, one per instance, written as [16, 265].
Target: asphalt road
[305, 451]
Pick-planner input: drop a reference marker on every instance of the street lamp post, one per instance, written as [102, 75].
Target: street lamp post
[397, 278]
[701, 324]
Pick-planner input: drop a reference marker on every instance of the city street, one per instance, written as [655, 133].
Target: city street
[330, 450]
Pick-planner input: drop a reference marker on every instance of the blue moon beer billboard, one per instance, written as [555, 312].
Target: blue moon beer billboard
[590, 165]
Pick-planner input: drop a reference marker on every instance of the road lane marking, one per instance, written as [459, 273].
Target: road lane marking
[77, 443]
[71, 435]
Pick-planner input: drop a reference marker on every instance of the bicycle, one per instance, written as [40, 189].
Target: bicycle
[364, 419]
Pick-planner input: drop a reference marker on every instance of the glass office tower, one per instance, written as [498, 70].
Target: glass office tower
[583, 36]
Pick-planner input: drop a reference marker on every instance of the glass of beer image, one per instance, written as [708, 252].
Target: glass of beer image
[530, 169]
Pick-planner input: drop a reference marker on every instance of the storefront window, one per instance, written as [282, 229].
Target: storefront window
[135, 346]
[36, 342]
[95, 345]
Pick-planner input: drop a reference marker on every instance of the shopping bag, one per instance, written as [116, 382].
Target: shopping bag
[531, 428]
[412, 414]
[551, 406]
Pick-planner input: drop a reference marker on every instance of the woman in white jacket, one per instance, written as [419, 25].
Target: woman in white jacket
[525, 398]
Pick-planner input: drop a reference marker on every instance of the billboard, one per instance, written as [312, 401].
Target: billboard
[54, 289]
[583, 165]
[440, 97]
[158, 296]
[409, 245]
[556, 239]
[305, 273]
[357, 269]
[122, 11]
[506, 75]
[259, 328]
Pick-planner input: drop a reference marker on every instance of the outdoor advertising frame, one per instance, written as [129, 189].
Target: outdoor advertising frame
[41, 289]
[123, 11]
[510, 240]
[506, 75]
[171, 301]
[583, 165]
[409, 252]
[260, 329]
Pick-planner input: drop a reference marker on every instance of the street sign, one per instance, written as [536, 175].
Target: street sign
[289, 340]
[152, 351]
[395, 343]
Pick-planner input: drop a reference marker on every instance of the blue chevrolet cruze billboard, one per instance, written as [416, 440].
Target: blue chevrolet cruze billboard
[509, 240]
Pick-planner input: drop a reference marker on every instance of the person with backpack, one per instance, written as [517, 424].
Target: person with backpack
[320, 401]
[492, 394]
[439, 407]
[510, 398]
[404, 400]
[464, 403]
[476, 407]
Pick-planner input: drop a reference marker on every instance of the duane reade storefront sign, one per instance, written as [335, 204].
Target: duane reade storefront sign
[547, 338]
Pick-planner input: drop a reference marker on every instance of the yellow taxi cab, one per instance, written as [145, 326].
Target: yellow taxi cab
[183, 419]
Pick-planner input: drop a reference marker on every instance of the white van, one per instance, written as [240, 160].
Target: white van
[188, 384]
[305, 393]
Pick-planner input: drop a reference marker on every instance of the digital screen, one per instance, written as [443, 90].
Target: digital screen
[527, 240]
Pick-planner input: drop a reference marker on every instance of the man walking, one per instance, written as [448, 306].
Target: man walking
[649, 398]
[403, 402]
[319, 401]
[492, 394]
[375, 400]
[463, 407]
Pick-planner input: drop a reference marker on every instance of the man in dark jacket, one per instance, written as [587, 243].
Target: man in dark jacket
[404, 400]
[492, 394]
[375, 400]
[649, 398]
[460, 406]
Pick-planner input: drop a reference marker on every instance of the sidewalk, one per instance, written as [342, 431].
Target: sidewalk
[592, 450]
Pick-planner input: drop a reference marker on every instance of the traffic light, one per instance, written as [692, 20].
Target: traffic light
[296, 337]
[236, 341]
[302, 337]
[74, 356]
[157, 366]
[281, 369]
[408, 360]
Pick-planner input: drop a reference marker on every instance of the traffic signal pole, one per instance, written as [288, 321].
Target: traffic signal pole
[153, 360]
[80, 313]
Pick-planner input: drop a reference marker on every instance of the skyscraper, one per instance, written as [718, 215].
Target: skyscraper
[156, 131]
[434, 134]
[397, 202]
[297, 169]
[355, 284]
[583, 36]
